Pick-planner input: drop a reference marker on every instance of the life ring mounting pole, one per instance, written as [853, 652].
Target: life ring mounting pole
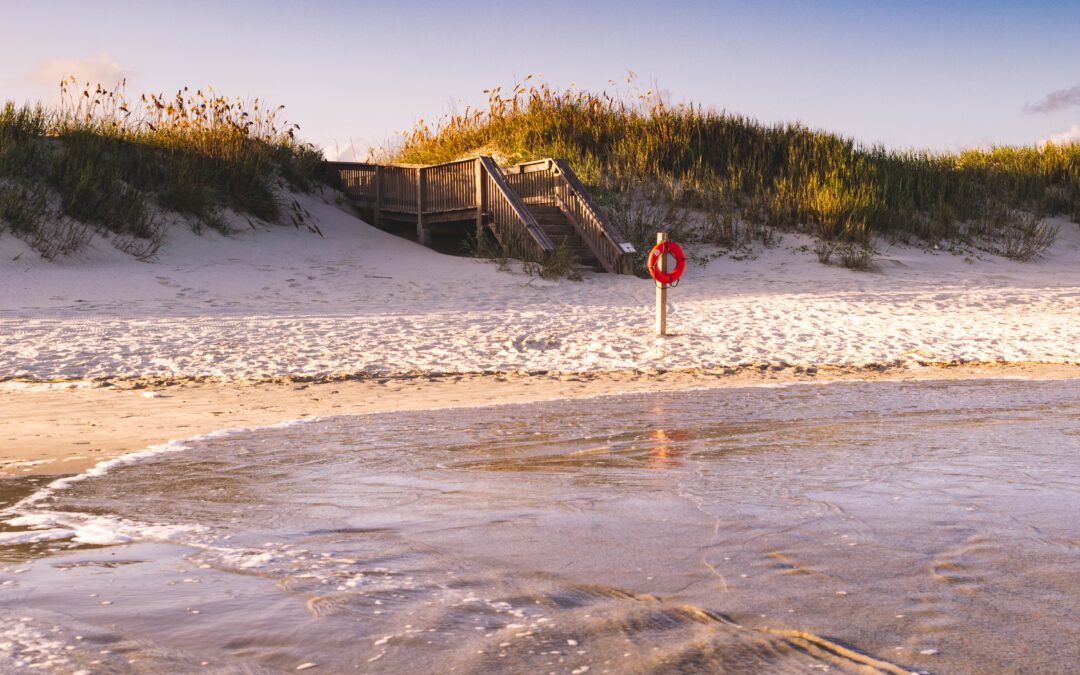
[661, 290]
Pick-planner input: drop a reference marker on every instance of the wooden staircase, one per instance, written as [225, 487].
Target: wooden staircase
[564, 235]
[536, 209]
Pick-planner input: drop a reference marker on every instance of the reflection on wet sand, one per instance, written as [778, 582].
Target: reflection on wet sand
[668, 447]
[859, 527]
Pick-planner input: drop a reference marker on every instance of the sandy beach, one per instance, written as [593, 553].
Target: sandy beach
[795, 410]
[68, 427]
[101, 354]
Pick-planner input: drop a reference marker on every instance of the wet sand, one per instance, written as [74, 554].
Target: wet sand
[858, 527]
[61, 428]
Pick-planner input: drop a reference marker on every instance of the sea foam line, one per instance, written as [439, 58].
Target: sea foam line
[45, 524]
[179, 445]
[49, 525]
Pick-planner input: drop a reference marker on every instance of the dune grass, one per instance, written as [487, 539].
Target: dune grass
[742, 178]
[98, 162]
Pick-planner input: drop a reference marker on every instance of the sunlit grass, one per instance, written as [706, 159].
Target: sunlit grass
[741, 173]
[98, 160]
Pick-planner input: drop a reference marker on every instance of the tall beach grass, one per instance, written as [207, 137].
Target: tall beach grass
[98, 161]
[741, 177]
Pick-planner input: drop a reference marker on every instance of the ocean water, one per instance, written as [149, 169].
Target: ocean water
[847, 527]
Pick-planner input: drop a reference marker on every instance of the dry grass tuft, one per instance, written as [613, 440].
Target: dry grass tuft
[99, 160]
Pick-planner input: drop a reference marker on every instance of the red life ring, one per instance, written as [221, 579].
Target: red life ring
[658, 253]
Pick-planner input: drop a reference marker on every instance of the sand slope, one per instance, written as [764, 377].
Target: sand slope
[281, 302]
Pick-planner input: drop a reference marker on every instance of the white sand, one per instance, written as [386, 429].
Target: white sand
[281, 302]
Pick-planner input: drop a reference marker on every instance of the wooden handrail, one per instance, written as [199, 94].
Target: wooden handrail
[609, 245]
[536, 165]
[372, 165]
[351, 165]
[575, 184]
[515, 213]
[557, 184]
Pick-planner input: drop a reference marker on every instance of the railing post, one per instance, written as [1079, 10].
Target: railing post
[421, 231]
[378, 196]
[481, 199]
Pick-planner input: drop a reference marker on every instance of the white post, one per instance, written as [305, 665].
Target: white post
[661, 291]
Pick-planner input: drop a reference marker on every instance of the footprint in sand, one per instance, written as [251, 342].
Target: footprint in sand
[959, 568]
[786, 564]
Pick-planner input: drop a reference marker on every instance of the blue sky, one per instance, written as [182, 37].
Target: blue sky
[938, 75]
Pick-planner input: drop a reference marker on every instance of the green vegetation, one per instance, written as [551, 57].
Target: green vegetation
[727, 179]
[98, 162]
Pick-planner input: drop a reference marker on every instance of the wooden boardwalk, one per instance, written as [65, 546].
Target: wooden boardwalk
[536, 207]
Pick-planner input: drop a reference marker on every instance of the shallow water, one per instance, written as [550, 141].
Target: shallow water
[862, 527]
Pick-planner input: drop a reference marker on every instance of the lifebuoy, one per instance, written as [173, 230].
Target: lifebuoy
[658, 253]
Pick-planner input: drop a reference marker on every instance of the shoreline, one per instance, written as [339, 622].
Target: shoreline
[54, 428]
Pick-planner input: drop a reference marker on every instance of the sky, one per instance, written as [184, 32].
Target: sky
[943, 76]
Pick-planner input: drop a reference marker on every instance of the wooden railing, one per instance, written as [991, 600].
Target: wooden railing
[552, 181]
[357, 180]
[534, 181]
[396, 189]
[510, 219]
[379, 187]
[606, 242]
[497, 198]
[450, 186]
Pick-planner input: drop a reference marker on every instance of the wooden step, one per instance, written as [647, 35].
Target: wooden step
[574, 246]
[559, 231]
[563, 234]
[551, 218]
[544, 210]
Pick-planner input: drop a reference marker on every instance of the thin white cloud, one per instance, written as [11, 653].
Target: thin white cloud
[1070, 135]
[1062, 99]
[101, 69]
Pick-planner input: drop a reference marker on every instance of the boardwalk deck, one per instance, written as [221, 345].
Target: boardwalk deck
[535, 207]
